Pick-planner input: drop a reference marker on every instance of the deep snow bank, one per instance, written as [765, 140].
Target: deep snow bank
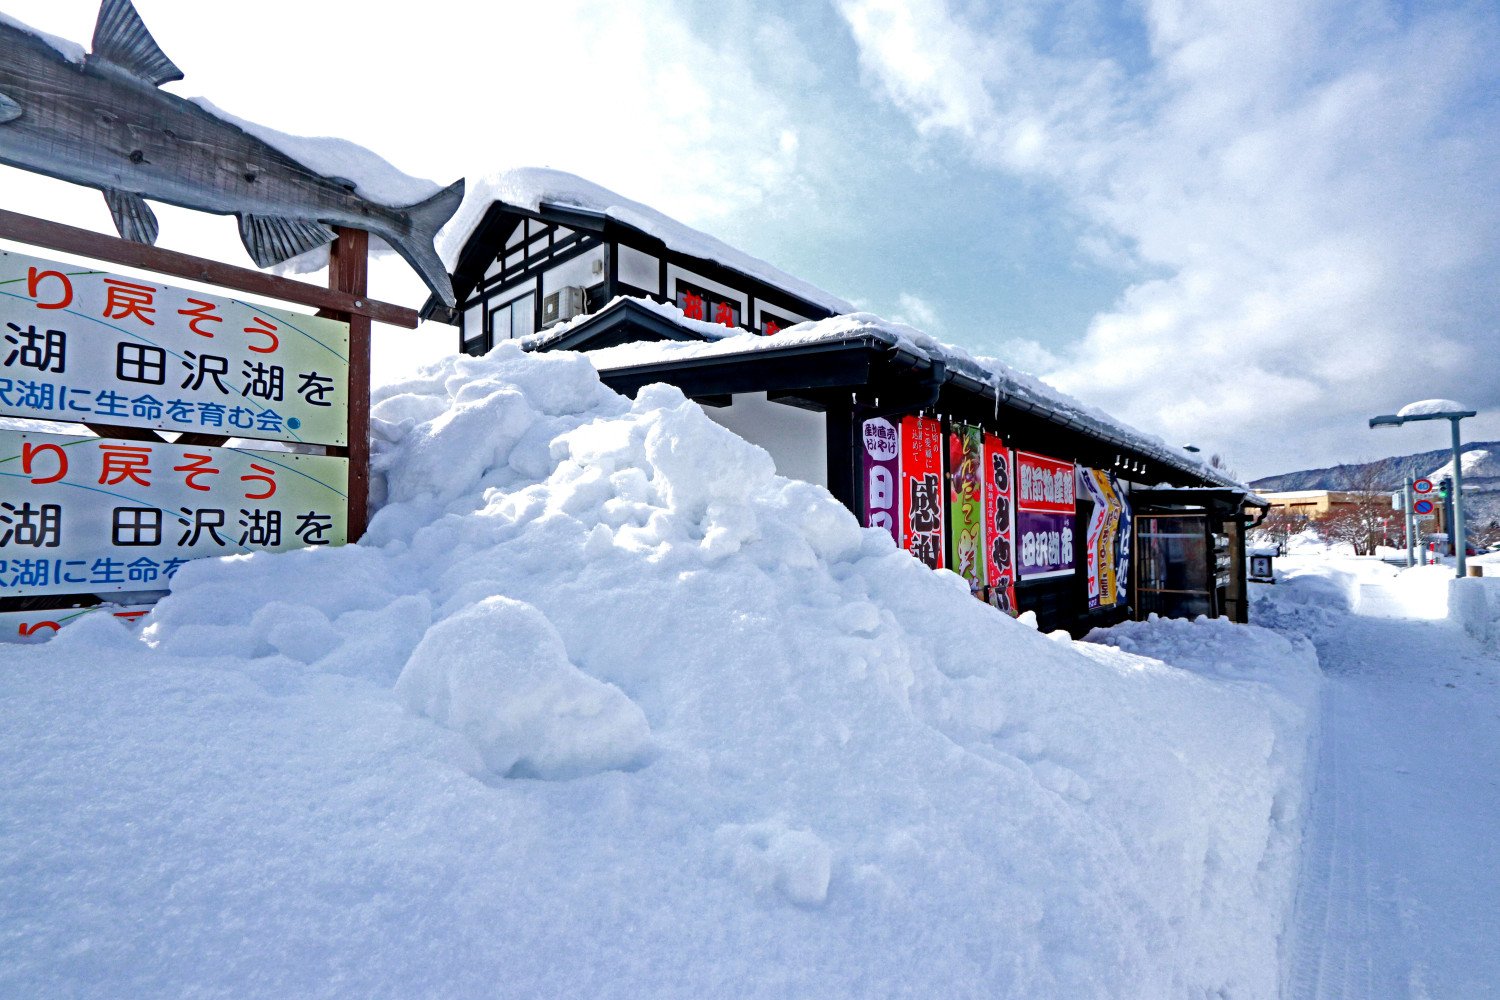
[794, 762]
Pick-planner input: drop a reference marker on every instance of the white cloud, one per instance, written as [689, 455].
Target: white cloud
[916, 311]
[632, 96]
[1306, 189]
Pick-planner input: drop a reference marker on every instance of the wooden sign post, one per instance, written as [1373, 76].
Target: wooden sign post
[39, 575]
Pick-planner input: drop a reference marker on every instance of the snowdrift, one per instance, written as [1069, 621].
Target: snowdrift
[603, 707]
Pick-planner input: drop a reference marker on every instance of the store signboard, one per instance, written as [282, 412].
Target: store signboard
[85, 346]
[922, 489]
[966, 504]
[1045, 509]
[882, 472]
[999, 562]
[99, 515]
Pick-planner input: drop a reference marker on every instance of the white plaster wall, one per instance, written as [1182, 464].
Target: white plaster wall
[578, 271]
[639, 269]
[796, 438]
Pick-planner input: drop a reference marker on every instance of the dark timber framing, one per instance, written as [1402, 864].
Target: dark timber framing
[586, 232]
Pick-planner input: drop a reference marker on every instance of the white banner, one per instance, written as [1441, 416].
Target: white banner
[86, 515]
[88, 347]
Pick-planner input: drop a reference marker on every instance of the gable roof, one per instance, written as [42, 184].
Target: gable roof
[492, 206]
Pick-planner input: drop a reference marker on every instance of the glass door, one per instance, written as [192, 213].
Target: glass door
[1175, 566]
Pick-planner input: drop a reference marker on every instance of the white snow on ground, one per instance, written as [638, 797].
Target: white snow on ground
[604, 708]
[1399, 896]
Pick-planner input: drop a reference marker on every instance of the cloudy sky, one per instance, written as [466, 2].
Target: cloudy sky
[1248, 226]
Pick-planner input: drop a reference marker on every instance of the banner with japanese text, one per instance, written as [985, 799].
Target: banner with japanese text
[96, 515]
[1045, 509]
[85, 346]
[1103, 540]
[966, 504]
[999, 565]
[882, 471]
[922, 489]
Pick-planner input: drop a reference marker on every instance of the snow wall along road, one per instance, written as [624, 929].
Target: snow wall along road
[603, 707]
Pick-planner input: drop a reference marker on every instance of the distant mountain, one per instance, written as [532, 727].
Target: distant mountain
[1481, 462]
[1481, 477]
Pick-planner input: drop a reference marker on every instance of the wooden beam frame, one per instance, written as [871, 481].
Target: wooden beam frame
[70, 239]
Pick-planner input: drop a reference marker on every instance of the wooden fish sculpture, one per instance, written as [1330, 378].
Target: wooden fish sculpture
[102, 121]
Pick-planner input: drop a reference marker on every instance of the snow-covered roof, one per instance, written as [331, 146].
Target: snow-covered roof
[1004, 382]
[535, 188]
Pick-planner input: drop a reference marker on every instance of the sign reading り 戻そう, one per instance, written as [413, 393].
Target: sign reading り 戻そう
[99, 515]
[86, 346]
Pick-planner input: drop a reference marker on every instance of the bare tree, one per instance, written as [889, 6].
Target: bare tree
[1364, 520]
[1279, 525]
[1220, 463]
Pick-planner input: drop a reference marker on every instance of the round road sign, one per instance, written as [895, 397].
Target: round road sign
[1422, 486]
[1422, 507]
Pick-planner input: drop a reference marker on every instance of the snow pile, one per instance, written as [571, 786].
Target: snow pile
[498, 673]
[1468, 606]
[603, 707]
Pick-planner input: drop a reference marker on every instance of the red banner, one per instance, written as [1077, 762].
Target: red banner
[1000, 566]
[922, 489]
[1045, 484]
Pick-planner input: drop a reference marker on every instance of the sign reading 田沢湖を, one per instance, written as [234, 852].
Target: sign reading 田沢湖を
[94, 515]
[1044, 516]
[89, 347]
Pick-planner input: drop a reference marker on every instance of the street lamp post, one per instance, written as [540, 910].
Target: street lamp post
[1440, 409]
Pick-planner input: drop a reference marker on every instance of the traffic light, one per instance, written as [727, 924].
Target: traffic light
[1445, 488]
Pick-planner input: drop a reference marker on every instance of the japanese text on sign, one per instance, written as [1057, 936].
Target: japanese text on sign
[93, 515]
[85, 346]
[1044, 516]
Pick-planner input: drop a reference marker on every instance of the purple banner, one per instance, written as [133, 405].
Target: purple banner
[882, 469]
[1044, 544]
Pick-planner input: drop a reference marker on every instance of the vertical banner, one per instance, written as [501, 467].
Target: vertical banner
[1098, 547]
[966, 504]
[1044, 516]
[997, 524]
[1122, 546]
[921, 481]
[882, 476]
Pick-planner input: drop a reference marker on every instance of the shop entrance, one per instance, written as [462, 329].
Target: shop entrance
[1175, 558]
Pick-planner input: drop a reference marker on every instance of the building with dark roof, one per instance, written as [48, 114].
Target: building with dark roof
[1040, 502]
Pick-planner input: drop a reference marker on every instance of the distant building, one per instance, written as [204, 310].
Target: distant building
[1313, 503]
[1041, 503]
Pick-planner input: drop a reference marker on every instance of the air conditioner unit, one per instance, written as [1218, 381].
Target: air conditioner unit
[562, 305]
